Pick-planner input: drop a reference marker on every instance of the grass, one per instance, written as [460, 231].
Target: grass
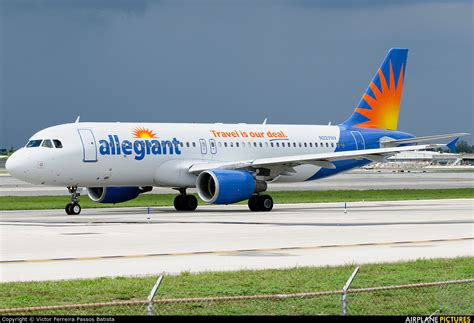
[455, 299]
[59, 202]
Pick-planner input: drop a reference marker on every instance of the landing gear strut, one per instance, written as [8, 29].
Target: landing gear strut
[184, 202]
[260, 203]
[73, 208]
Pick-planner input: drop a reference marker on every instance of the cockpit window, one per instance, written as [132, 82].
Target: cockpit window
[47, 143]
[57, 143]
[34, 143]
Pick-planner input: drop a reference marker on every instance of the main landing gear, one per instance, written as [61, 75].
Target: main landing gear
[260, 203]
[73, 208]
[184, 202]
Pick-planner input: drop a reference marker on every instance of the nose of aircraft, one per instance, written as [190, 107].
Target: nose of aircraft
[16, 165]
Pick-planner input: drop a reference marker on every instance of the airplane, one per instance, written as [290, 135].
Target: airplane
[226, 163]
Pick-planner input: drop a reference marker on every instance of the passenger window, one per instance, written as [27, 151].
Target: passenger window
[316, 144]
[294, 144]
[34, 143]
[299, 144]
[327, 145]
[278, 145]
[255, 144]
[194, 144]
[305, 145]
[231, 144]
[47, 143]
[236, 144]
[311, 144]
[181, 144]
[57, 143]
[271, 144]
[332, 144]
[225, 144]
[261, 145]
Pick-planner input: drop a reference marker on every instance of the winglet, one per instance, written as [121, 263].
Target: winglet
[265, 121]
[452, 145]
[77, 120]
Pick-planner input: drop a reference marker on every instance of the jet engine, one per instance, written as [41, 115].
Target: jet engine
[221, 186]
[115, 194]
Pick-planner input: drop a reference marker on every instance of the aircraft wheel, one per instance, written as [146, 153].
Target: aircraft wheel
[179, 203]
[76, 209]
[253, 203]
[73, 209]
[68, 209]
[265, 203]
[190, 202]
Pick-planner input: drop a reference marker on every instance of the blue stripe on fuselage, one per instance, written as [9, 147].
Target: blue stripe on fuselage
[347, 142]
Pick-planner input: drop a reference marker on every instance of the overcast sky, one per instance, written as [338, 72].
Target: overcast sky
[301, 61]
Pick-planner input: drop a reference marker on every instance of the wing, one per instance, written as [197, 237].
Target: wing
[284, 164]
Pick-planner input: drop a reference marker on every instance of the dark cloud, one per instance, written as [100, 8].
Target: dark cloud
[228, 61]
[351, 4]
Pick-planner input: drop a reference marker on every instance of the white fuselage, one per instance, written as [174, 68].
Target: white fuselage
[120, 154]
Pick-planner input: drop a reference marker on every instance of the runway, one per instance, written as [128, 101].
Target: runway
[354, 180]
[48, 245]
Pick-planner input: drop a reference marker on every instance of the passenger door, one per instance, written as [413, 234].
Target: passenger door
[89, 147]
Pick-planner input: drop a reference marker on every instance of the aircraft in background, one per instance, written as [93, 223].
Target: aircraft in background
[227, 163]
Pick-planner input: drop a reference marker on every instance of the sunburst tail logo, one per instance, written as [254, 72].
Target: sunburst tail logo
[140, 132]
[380, 105]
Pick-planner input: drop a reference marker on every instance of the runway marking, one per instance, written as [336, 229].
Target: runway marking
[229, 252]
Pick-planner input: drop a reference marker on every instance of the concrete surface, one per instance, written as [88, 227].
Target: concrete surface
[49, 245]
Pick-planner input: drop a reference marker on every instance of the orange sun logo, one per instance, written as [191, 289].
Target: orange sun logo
[386, 103]
[141, 132]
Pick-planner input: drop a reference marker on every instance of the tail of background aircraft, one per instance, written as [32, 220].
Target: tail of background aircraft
[380, 104]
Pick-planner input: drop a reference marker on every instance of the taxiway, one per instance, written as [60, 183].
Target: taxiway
[48, 245]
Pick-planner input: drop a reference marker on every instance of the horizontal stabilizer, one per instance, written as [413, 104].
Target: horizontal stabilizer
[452, 145]
[395, 143]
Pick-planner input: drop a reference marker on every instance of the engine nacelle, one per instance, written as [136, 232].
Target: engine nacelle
[220, 186]
[115, 194]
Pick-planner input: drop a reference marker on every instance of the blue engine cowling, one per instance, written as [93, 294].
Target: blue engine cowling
[220, 186]
[115, 194]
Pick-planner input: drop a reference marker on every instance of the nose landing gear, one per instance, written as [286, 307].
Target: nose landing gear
[73, 208]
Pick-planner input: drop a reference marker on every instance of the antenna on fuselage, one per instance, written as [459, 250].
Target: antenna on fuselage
[77, 120]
